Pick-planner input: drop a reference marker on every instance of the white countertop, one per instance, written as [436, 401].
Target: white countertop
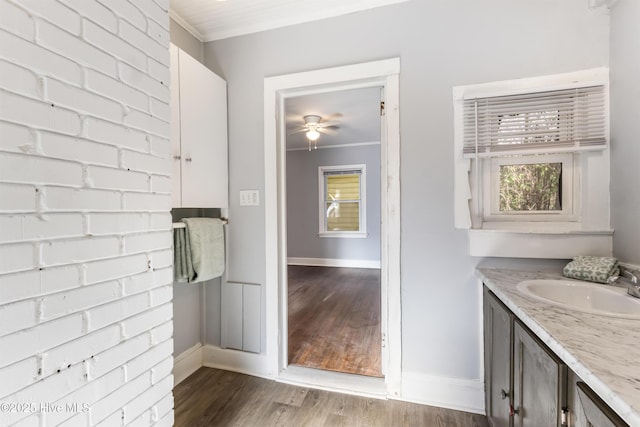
[603, 351]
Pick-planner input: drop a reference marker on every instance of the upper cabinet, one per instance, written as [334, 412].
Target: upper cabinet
[198, 134]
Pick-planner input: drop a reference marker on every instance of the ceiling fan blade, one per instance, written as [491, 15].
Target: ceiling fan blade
[328, 131]
[297, 131]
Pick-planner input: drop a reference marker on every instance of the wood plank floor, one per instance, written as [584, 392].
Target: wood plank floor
[334, 319]
[212, 397]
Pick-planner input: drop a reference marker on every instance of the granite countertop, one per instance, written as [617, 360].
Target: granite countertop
[603, 351]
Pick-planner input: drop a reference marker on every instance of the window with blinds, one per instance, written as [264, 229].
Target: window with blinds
[341, 199]
[531, 123]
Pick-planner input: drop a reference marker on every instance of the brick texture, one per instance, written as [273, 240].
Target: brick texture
[86, 333]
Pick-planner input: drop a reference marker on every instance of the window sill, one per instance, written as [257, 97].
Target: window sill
[344, 234]
[537, 244]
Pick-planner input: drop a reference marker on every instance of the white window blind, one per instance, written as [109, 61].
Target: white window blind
[541, 122]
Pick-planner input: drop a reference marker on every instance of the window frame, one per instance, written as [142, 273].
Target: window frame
[322, 196]
[587, 231]
[491, 182]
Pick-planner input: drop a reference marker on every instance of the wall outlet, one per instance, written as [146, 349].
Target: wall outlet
[249, 197]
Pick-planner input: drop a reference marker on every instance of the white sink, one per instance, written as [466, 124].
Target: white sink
[584, 296]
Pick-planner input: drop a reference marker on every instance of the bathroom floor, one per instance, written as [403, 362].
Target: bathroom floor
[212, 397]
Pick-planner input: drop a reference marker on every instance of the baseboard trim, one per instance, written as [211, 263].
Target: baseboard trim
[329, 262]
[186, 363]
[236, 361]
[450, 393]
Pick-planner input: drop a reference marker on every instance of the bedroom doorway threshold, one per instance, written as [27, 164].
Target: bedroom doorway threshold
[358, 385]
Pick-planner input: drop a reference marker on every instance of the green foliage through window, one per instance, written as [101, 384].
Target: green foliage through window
[531, 187]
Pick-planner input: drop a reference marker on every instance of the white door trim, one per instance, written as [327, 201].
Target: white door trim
[384, 74]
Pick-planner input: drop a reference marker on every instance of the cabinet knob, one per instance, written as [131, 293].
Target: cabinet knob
[503, 394]
[512, 411]
[176, 157]
[188, 159]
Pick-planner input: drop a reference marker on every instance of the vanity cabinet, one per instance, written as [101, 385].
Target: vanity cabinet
[525, 384]
[498, 334]
[590, 410]
[198, 134]
[539, 382]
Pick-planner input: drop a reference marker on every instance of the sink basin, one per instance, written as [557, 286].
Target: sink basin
[584, 296]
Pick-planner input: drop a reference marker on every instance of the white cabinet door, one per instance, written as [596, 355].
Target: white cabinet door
[203, 135]
[176, 177]
[198, 134]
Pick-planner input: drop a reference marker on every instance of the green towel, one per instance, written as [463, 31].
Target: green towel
[592, 269]
[182, 265]
[205, 239]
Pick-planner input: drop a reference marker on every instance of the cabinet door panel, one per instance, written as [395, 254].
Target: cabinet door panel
[497, 360]
[176, 178]
[539, 387]
[203, 131]
[596, 412]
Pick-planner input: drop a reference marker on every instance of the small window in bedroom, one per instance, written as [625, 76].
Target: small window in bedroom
[342, 201]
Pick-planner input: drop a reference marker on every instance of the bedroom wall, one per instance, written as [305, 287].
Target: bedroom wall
[441, 45]
[625, 129]
[302, 202]
[85, 231]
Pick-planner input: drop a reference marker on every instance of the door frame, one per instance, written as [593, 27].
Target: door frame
[385, 74]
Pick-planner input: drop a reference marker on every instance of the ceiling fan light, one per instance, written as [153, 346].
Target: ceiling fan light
[312, 135]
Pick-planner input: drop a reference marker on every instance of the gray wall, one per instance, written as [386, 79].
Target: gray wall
[625, 129]
[441, 44]
[302, 204]
[185, 41]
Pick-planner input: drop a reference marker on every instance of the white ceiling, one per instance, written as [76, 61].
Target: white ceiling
[356, 112]
[214, 19]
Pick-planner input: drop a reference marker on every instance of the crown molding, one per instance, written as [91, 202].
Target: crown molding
[184, 24]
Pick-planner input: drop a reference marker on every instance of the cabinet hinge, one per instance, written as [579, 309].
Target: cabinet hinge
[564, 417]
[382, 108]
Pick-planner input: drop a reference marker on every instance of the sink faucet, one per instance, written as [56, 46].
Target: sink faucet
[632, 277]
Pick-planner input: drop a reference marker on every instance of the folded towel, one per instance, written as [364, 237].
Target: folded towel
[182, 265]
[205, 238]
[592, 269]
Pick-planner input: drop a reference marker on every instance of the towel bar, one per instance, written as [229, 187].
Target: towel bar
[183, 225]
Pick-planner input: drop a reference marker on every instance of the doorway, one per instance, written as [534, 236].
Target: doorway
[383, 74]
[332, 171]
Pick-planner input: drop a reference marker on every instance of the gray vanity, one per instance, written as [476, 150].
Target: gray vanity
[547, 365]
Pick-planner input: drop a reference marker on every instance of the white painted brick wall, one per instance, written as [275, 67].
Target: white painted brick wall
[85, 229]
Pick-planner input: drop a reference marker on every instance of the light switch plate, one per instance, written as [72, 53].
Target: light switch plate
[249, 197]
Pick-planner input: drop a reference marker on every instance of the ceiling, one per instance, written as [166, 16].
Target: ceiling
[211, 20]
[356, 112]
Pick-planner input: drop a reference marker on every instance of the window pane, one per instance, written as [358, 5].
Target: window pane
[531, 187]
[343, 187]
[343, 216]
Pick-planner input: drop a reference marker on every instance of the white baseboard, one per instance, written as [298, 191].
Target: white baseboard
[236, 361]
[450, 393]
[329, 262]
[186, 363]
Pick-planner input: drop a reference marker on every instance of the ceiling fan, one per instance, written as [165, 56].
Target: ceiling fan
[313, 126]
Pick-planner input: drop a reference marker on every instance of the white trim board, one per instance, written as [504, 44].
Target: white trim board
[451, 393]
[186, 363]
[330, 262]
[385, 74]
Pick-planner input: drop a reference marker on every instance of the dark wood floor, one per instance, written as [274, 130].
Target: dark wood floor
[334, 319]
[211, 397]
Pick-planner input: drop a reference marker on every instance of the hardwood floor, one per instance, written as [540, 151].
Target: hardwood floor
[334, 319]
[211, 397]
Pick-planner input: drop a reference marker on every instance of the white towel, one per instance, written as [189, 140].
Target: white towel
[205, 237]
